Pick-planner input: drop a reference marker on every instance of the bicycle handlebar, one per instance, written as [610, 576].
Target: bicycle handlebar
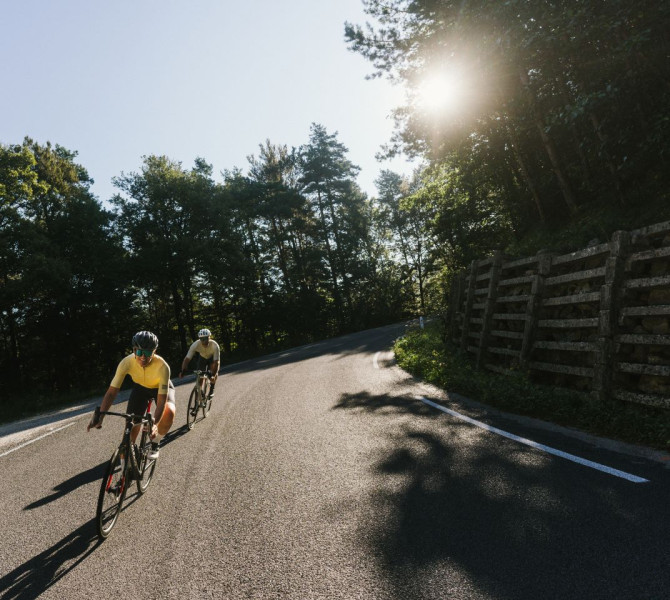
[199, 372]
[97, 413]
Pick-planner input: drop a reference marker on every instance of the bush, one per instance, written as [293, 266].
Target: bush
[423, 353]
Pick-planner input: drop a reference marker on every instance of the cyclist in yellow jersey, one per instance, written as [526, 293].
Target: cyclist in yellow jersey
[209, 356]
[151, 381]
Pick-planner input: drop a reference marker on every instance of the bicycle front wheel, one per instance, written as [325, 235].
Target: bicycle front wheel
[192, 409]
[146, 466]
[112, 492]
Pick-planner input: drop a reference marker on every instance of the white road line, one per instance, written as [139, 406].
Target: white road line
[34, 440]
[532, 444]
[374, 362]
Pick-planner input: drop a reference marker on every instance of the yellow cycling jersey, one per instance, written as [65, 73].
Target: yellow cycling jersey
[156, 375]
[209, 352]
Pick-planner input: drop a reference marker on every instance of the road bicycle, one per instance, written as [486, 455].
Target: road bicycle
[199, 398]
[129, 462]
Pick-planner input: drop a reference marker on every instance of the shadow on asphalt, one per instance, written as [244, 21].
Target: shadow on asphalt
[492, 518]
[37, 575]
[93, 474]
[173, 435]
[69, 485]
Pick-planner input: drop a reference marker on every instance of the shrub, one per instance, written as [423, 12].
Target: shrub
[424, 354]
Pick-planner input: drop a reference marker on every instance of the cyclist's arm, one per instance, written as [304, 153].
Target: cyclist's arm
[107, 401]
[215, 360]
[184, 365]
[187, 359]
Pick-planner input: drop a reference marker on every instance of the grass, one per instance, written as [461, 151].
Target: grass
[424, 354]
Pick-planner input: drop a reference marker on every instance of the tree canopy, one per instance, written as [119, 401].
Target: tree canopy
[284, 254]
[549, 107]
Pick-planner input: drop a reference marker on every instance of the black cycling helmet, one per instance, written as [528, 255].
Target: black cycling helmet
[145, 340]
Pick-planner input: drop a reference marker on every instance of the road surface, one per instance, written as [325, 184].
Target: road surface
[328, 472]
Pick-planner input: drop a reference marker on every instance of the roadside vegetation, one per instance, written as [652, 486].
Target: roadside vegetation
[425, 354]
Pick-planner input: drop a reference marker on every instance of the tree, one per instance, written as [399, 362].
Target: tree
[169, 220]
[328, 181]
[59, 272]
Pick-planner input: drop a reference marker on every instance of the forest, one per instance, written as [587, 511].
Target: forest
[560, 137]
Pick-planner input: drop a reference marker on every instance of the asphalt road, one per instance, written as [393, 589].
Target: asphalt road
[321, 472]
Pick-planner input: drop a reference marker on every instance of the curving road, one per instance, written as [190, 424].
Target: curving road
[327, 472]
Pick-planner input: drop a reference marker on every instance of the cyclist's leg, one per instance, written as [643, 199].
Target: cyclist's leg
[202, 366]
[169, 411]
[214, 370]
[165, 419]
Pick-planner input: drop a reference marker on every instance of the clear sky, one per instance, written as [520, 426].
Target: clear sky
[118, 80]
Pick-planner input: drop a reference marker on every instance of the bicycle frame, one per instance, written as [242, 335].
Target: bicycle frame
[198, 399]
[200, 379]
[129, 461]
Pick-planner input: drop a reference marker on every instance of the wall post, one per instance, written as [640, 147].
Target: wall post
[489, 309]
[603, 367]
[534, 305]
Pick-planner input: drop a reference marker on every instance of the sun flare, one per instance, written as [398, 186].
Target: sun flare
[441, 92]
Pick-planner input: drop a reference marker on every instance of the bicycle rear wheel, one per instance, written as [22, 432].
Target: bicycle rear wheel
[112, 493]
[146, 466]
[192, 409]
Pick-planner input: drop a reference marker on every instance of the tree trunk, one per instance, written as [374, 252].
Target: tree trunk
[331, 264]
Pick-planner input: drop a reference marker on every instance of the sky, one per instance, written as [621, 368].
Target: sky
[116, 81]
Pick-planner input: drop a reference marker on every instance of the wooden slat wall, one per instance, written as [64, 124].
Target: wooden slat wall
[595, 320]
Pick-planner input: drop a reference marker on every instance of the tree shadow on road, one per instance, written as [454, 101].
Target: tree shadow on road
[34, 577]
[484, 516]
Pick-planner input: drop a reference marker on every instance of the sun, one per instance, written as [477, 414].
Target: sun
[441, 91]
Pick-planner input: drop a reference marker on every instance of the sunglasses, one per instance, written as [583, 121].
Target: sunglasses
[140, 352]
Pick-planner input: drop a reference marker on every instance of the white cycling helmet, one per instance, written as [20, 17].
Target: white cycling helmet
[204, 333]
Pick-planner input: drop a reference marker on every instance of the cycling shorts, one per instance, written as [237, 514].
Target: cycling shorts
[204, 363]
[140, 397]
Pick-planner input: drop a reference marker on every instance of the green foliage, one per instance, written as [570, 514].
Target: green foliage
[560, 133]
[283, 255]
[425, 354]
[58, 273]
